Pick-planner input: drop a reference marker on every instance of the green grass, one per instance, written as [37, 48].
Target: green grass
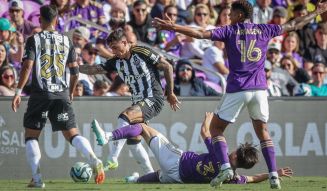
[295, 183]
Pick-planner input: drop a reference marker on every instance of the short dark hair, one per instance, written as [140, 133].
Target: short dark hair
[247, 156]
[245, 7]
[116, 35]
[48, 13]
[139, 2]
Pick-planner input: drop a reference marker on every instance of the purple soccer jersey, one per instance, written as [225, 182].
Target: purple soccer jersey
[246, 46]
[195, 168]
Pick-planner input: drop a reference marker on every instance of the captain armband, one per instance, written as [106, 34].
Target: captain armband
[74, 70]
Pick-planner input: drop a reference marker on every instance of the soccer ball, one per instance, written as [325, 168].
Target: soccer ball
[81, 172]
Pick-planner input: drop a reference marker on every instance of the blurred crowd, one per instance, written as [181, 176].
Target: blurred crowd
[295, 66]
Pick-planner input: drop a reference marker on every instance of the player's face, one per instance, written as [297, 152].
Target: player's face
[120, 48]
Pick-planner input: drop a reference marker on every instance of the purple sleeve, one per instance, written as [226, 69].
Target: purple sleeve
[219, 33]
[208, 143]
[271, 30]
[238, 179]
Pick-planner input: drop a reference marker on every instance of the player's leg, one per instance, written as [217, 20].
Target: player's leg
[259, 112]
[62, 117]
[231, 106]
[34, 121]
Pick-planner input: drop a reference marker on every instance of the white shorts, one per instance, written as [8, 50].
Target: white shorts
[168, 157]
[232, 104]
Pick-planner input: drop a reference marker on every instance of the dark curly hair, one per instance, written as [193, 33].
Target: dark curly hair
[247, 156]
[245, 7]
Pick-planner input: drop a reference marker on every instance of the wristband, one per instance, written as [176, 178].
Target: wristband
[18, 91]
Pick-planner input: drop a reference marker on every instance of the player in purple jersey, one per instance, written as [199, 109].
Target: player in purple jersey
[246, 46]
[177, 166]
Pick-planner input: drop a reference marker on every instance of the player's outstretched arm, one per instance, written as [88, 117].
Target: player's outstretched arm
[286, 171]
[91, 69]
[186, 30]
[168, 73]
[205, 127]
[74, 71]
[299, 22]
[25, 73]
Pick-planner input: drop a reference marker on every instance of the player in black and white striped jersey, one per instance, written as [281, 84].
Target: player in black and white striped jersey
[139, 68]
[47, 55]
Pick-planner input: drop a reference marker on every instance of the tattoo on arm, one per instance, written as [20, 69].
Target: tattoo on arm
[168, 73]
[299, 22]
[91, 69]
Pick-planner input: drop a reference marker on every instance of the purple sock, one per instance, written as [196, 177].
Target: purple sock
[267, 148]
[148, 178]
[128, 131]
[220, 149]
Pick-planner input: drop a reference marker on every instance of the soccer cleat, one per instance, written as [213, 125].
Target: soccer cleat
[99, 133]
[274, 183]
[38, 184]
[110, 165]
[224, 175]
[99, 175]
[133, 178]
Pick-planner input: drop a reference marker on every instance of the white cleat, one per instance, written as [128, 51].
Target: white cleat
[99, 133]
[224, 175]
[36, 184]
[274, 183]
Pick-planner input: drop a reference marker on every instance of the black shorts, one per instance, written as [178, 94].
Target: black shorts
[150, 107]
[59, 111]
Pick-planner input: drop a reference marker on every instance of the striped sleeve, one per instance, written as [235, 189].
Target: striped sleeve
[147, 54]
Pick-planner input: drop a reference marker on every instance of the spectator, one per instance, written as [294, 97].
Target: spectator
[122, 12]
[158, 8]
[279, 18]
[213, 60]
[318, 52]
[118, 88]
[16, 13]
[100, 88]
[285, 81]
[224, 16]
[306, 34]
[131, 38]
[7, 81]
[262, 12]
[289, 64]
[194, 48]
[310, 7]
[79, 89]
[212, 14]
[81, 36]
[141, 23]
[317, 87]
[63, 7]
[187, 84]
[89, 10]
[273, 88]
[291, 47]
[3, 55]
[169, 40]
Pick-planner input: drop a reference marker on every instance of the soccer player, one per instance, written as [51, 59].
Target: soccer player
[139, 68]
[246, 46]
[177, 166]
[48, 53]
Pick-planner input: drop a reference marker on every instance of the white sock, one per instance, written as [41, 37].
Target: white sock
[119, 144]
[83, 145]
[141, 157]
[108, 136]
[33, 155]
[225, 166]
[271, 174]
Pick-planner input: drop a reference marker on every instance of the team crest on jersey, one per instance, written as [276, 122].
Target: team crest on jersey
[137, 61]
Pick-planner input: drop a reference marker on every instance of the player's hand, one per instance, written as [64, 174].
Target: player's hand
[286, 171]
[15, 103]
[173, 101]
[163, 24]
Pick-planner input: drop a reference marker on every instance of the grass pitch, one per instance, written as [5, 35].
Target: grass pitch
[295, 183]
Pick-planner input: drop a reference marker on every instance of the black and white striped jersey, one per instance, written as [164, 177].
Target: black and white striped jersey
[139, 72]
[51, 53]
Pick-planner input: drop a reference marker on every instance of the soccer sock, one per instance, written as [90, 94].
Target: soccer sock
[267, 148]
[128, 131]
[117, 145]
[33, 155]
[83, 146]
[220, 149]
[142, 157]
[149, 178]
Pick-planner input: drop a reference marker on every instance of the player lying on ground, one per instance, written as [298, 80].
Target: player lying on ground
[177, 166]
